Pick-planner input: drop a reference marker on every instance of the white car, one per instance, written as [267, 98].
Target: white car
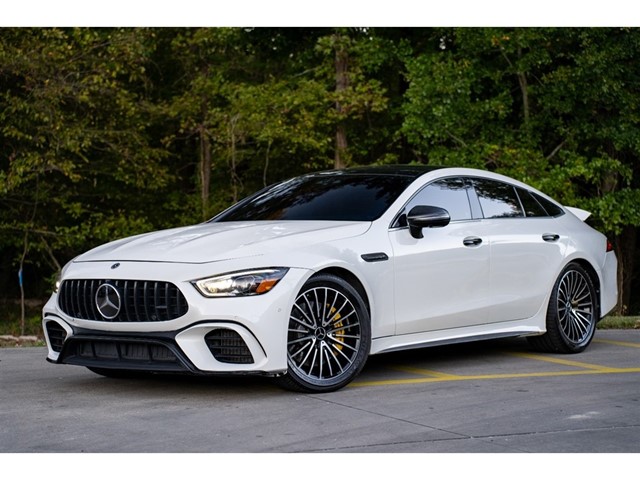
[305, 279]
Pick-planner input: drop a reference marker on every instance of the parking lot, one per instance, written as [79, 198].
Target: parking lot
[491, 397]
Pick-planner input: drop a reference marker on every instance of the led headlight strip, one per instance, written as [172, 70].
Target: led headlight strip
[241, 284]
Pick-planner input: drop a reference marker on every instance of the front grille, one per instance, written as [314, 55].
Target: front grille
[227, 346]
[139, 300]
[115, 353]
[56, 335]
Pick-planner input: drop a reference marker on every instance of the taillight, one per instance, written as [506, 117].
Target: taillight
[609, 246]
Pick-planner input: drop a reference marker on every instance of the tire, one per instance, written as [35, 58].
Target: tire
[572, 314]
[328, 336]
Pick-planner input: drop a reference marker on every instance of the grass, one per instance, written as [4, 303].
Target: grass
[625, 323]
[11, 330]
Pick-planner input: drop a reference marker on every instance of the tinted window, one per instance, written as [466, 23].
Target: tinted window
[497, 199]
[352, 197]
[448, 193]
[552, 209]
[531, 206]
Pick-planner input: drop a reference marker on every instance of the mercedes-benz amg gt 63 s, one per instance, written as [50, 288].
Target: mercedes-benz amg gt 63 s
[305, 279]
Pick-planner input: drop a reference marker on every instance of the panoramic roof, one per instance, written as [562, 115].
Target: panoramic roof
[414, 171]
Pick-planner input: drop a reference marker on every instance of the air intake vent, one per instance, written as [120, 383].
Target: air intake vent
[227, 346]
[121, 300]
[56, 335]
[124, 354]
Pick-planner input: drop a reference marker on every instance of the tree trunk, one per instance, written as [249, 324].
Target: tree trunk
[205, 170]
[266, 164]
[233, 156]
[342, 83]
[524, 88]
[21, 282]
[341, 146]
[626, 251]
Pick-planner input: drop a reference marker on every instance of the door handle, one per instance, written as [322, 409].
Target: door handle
[550, 237]
[472, 241]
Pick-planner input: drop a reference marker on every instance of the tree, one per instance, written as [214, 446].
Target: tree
[355, 94]
[112, 132]
[555, 108]
[77, 164]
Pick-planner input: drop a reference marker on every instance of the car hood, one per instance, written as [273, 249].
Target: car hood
[211, 242]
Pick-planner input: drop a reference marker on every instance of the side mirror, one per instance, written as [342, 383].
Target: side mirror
[425, 216]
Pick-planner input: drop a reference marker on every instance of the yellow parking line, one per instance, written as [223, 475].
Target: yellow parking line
[560, 361]
[458, 378]
[422, 371]
[433, 376]
[621, 344]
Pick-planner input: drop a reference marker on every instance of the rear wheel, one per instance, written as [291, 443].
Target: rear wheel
[328, 336]
[572, 313]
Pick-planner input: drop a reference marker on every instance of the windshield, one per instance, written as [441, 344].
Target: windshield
[336, 196]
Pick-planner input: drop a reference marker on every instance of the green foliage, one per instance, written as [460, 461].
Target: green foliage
[113, 132]
[556, 108]
[74, 136]
[10, 323]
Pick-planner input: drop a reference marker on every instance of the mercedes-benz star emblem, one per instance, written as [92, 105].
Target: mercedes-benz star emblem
[108, 301]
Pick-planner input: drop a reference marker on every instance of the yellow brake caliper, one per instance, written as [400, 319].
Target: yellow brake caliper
[337, 323]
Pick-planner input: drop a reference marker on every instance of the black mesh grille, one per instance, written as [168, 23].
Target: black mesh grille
[128, 354]
[140, 300]
[227, 346]
[56, 335]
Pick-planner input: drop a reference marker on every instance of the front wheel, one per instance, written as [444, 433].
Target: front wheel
[328, 336]
[572, 313]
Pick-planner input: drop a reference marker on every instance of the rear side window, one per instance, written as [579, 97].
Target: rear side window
[552, 209]
[497, 199]
[532, 207]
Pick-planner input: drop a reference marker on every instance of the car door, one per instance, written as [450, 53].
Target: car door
[527, 249]
[441, 281]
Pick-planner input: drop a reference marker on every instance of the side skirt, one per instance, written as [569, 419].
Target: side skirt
[454, 336]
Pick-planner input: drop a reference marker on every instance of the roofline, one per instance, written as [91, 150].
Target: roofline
[413, 171]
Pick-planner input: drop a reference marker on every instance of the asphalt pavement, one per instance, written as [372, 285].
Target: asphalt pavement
[486, 397]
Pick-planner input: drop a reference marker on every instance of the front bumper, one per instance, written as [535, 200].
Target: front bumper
[216, 336]
[231, 347]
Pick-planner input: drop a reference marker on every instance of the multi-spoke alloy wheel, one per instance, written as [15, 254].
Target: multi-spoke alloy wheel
[328, 336]
[576, 307]
[572, 314]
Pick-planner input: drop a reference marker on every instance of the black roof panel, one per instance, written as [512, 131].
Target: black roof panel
[414, 171]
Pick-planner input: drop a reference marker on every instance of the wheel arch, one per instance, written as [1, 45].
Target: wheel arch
[595, 278]
[353, 280]
[322, 332]
[567, 332]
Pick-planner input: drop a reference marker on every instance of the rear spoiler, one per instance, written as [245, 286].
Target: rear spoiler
[578, 212]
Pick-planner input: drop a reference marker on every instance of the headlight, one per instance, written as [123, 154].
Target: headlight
[241, 284]
[58, 281]
[60, 273]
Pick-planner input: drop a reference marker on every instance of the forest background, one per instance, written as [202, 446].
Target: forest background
[109, 132]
